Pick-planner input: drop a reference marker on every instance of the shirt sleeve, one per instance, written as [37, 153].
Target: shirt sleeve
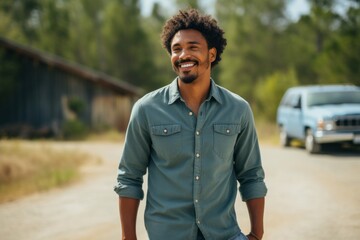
[247, 160]
[134, 160]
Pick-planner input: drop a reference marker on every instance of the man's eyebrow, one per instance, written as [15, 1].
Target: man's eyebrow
[194, 42]
[175, 45]
[191, 42]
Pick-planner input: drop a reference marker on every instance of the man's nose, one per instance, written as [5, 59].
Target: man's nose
[184, 54]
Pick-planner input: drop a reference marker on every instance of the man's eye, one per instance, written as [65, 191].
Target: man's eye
[175, 50]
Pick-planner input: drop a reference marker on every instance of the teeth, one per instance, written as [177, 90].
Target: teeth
[187, 65]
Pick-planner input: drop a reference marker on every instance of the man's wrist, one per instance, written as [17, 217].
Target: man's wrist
[254, 236]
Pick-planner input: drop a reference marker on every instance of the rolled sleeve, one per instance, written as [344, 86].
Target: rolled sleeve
[253, 190]
[128, 187]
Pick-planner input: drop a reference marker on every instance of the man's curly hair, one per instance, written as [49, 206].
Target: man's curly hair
[192, 19]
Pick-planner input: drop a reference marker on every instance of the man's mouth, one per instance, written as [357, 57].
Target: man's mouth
[186, 65]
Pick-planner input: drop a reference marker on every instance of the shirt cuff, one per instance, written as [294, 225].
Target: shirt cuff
[130, 192]
[253, 190]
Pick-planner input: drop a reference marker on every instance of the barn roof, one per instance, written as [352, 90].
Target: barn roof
[81, 71]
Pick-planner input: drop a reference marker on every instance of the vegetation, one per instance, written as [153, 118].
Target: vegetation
[267, 51]
[110, 135]
[74, 130]
[31, 167]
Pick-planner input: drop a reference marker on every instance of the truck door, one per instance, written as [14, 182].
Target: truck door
[295, 117]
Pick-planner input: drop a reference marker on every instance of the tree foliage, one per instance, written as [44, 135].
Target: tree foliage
[270, 90]
[320, 47]
[252, 28]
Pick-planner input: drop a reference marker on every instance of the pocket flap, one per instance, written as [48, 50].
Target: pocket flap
[165, 130]
[227, 129]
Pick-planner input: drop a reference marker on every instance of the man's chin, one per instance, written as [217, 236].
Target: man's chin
[187, 79]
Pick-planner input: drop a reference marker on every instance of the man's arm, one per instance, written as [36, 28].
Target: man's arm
[256, 214]
[128, 212]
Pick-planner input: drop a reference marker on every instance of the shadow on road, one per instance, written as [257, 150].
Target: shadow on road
[335, 150]
[342, 151]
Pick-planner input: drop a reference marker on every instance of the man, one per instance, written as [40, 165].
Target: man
[196, 140]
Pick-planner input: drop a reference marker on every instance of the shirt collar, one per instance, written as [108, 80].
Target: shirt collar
[174, 93]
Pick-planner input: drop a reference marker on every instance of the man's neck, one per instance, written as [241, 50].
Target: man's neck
[194, 93]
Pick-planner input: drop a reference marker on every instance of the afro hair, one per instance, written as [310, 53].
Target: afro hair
[192, 19]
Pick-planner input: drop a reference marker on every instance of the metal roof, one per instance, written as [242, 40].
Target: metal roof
[81, 71]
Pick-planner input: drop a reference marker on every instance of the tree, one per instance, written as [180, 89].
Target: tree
[252, 29]
[340, 61]
[188, 3]
[18, 20]
[163, 73]
[54, 28]
[270, 90]
[128, 54]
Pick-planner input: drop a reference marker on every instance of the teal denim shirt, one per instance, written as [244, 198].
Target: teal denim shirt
[193, 163]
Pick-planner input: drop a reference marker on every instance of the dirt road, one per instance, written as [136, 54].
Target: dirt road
[310, 197]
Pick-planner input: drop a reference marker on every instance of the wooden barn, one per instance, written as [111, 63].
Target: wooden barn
[40, 93]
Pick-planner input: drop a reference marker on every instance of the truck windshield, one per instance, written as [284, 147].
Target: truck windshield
[324, 98]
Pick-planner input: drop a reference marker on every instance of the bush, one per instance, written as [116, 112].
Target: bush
[74, 130]
[76, 105]
[269, 92]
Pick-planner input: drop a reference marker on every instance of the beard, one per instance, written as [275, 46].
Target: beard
[188, 78]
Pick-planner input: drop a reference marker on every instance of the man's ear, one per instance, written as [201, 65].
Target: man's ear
[212, 53]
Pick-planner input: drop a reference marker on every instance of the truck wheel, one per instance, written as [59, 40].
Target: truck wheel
[284, 138]
[310, 144]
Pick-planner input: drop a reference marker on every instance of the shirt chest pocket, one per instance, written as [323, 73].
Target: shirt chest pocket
[166, 140]
[225, 136]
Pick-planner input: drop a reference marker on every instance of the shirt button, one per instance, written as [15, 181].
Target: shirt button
[196, 200]
[198, 221]
[227, 131]
[190, 113]
[197, 133]
[165, 130]
[197, 177]
[197, 155]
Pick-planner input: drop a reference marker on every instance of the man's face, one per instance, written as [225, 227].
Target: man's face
[190, 56]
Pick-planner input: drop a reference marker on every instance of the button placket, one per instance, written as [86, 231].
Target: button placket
[198, 135]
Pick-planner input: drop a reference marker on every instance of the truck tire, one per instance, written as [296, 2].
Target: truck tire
[284, 138]
[310, 144]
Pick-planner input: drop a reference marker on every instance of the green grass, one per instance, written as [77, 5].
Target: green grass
[27, 167]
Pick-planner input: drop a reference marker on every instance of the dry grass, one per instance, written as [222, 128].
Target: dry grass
[28, 167]
[108, 136]
[268, 133]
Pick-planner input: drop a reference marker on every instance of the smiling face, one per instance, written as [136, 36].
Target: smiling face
[190, 57]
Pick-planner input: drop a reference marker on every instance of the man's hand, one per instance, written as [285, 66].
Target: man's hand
[252, 237]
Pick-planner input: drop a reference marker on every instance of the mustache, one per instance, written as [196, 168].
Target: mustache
[180, 61]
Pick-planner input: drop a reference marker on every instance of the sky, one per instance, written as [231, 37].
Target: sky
[295, 10]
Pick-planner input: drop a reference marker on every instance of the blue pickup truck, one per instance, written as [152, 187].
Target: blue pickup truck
[319, 115]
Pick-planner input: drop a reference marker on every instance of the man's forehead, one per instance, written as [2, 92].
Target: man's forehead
[188, 36]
